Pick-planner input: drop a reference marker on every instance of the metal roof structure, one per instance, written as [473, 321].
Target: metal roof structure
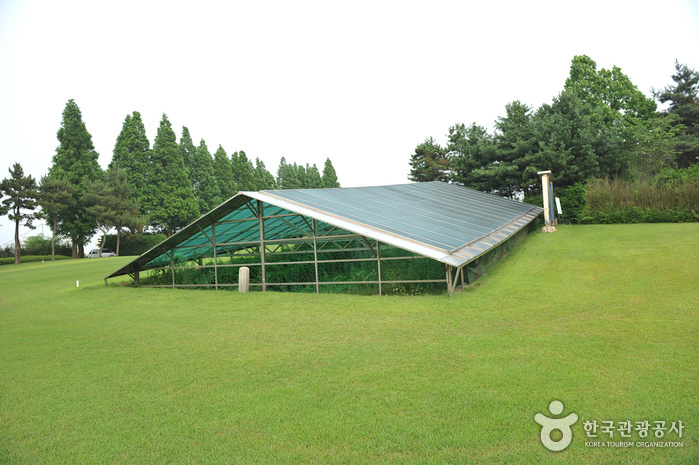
[451, 224]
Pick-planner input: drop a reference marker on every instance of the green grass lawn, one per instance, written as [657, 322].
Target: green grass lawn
[603, 318]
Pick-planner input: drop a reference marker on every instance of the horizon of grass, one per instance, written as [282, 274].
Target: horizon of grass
[600, 317]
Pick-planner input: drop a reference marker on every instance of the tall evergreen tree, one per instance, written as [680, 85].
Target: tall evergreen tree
[76, 160]
[287, 176]
[263, 178]
[329, 175]
[131, 153]
[55, 195]
[313, 179]
[169, 199]
[684, 106]
[22, 193]
[188, 151]
[204, 183]
[223, 171]
[243, 172]
[470, 150]
[428, 163]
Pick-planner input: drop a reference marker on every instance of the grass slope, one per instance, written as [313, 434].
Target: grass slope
[603, 318]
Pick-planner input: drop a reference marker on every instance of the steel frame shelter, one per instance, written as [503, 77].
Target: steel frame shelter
[425, 221]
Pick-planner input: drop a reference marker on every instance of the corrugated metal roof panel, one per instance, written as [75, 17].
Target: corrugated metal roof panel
[448, 223]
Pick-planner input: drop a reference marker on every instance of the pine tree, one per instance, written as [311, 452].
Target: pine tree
[131, 153]
[329, 175]
[223, 171]
[169, 198]
[22, 193]
[55, 195]
[684, 105]
[76, 160]
[204, 183]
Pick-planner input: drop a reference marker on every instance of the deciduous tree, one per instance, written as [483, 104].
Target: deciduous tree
[55, 195]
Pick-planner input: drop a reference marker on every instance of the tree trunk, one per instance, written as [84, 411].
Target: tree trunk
[17, 248]
[53, 241]
[81, 250]
[118, 239]
[73, 249]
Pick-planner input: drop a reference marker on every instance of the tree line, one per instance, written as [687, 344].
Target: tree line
[599, 125]
[160, 188]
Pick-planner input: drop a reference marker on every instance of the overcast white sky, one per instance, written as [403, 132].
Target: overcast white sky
[361, 82]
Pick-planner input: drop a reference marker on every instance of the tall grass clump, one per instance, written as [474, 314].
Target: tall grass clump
[671, 196]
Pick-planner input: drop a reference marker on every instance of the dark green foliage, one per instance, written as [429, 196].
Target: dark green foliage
[684, 105]
[264, 180]
[131, 153]
[134, 244]
[287, 176]
[243, 172]
[470, 150]
[223, 172]
[55, 195]
[573, 142]
[42, 246]
[188, 150]
[169, 199]
[22, 194]
[204, 182]
[33, 258]
[313, 177]
[428, 163]
[76, 161]
[329, 175]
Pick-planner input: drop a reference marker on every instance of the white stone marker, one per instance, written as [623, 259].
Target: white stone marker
[243, 279]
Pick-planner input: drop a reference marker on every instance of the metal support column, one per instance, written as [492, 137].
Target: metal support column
[172, 265]
[213, 240]
[260, 212]
[378, 264]
[315, 252]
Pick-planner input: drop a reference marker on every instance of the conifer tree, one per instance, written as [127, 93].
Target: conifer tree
[204, 183]
[131, 153]
[329, 175]
[263, 178]
[76, 160]
[313, 179]
[223, 171]
[22, 193]
[243, 172]
[188, 151]
[169, 199]
[287, 176]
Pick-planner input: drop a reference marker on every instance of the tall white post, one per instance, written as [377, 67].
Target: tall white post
[548, 214]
